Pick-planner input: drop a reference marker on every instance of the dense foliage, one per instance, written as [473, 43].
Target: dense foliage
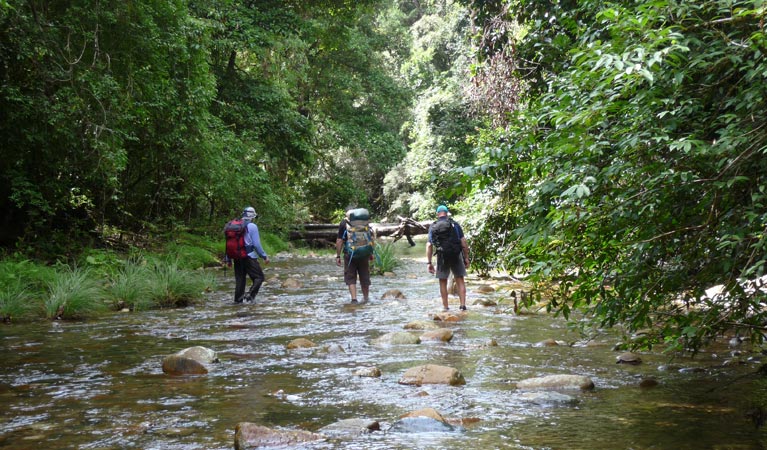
[634, 174]
[146, 115]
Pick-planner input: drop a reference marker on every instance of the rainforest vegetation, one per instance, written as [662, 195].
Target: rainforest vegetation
[612, 150]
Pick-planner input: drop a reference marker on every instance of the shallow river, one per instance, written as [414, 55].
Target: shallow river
[99, 384]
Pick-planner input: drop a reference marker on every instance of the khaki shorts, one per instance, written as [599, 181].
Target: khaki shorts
[356, 267]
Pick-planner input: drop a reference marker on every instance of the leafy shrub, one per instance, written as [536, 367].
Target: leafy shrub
[385, 261]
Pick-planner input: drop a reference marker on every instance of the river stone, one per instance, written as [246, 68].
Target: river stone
[292, 283]
[557, 382]
[397, 338]
[420, 425]
[432, 374]
[546, 343]
[421, 325]
[249, 436]
[547, 398]
[351, 427]
[485, 302]
[393, 293]
[447, 316]
[440, 334]
[333, 349]
[485, 289]
[372, 372]
[425, 412]
[300, 343]
[179, 365]
[628, 358]
[200, 354]
[189, 361]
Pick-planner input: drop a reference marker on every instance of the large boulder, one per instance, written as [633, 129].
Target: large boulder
[432, 374]
[249, 436]
[189, 361]
[556, 382]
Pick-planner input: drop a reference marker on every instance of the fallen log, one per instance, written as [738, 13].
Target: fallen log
[328, 232]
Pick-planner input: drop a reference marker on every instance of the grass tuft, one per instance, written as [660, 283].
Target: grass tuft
[73, 294]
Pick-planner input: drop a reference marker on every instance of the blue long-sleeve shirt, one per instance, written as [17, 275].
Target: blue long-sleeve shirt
[252, 238]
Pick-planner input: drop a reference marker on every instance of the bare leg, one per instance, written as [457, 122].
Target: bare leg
[461, 285]
[353, 291]
[443, 291]
[365, 292]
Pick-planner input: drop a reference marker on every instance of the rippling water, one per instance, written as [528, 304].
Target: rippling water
[99, 384]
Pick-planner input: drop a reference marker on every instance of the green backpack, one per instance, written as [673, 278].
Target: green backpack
[358, 240]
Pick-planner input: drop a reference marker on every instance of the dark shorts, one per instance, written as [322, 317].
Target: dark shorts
[455, 265]
[354, 268]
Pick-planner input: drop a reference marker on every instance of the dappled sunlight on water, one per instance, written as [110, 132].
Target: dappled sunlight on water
[100, 384]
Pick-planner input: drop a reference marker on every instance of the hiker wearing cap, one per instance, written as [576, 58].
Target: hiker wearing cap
[446, 239]
[249, 266]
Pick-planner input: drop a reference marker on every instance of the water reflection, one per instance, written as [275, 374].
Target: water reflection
[100, 385]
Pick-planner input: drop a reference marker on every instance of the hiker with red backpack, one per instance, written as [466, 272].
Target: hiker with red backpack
[243, 248]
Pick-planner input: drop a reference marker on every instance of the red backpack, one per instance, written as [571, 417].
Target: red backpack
[235, 239]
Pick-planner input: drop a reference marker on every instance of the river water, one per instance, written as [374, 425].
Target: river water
[99, 384]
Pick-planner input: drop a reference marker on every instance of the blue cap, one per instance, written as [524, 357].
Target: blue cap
[441, 208]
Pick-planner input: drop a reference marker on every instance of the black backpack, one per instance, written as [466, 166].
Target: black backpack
[445, 238]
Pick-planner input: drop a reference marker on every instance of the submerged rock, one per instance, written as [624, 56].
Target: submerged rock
[432, 374]
[393, 293]
[440, 334]
[421, 325]
[397, 338]
[249, 436]
[420, 425]
[292, 283]
[547, 398]
[425, 412]
[557, 382]
[351, 427]
[300, 343]
[372, 372]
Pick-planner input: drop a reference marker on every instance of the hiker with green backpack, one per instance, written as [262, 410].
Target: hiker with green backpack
[447, 240]
[356, 241]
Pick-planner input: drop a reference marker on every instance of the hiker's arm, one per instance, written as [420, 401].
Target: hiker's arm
[465, 247]
[429, 254]
[339, 246]
[255, 241]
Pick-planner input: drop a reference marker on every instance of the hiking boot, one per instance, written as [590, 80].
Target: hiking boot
[463, 308]
[354, 301]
